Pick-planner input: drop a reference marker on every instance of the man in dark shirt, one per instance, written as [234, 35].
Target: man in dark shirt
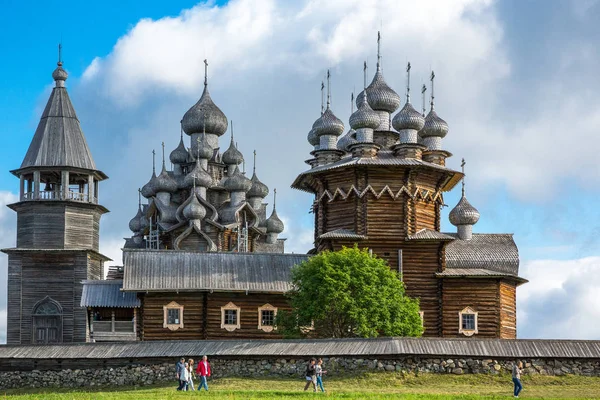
[311, 375]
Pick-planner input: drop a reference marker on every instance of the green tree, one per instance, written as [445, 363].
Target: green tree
[348, 293]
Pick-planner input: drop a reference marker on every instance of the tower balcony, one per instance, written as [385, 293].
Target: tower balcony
[60, 196]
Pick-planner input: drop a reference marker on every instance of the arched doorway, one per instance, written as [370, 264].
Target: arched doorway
[47, 321]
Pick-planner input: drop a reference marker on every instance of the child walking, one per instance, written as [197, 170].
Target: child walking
[320, 372]
[190, 382]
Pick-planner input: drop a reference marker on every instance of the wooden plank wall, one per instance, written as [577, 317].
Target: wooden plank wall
[153, 316]
[482, 295]
[41, 225]
[13, 316]
[508, 310]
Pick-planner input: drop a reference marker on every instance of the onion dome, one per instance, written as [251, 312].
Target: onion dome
[364, 117]
[312, 137]
[434, 126]
[274, 224]
[258, 189]
[237, 182]
[380, 96]
[164, 182]
[464, 213]
[198, 176]
[205, 115]
[180, 154]
[348, 139]
[194, 210]
[408, 118]
[148, 188]
[59, 73]
[329, 124]
[135, 223]
[232, 155]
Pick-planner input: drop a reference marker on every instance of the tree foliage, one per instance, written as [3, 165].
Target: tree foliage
[348, 293]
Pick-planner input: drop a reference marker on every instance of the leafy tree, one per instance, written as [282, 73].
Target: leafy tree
[348, 293]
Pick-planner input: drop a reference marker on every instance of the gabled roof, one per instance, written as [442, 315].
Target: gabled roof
[107, 293]
[430, 234]
[342, 234]
[176, 271]
[58, 140]
[488, 251]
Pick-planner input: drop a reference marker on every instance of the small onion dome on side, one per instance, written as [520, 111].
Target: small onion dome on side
[198, 176]
[164, 183]
[148, 188]
[135, 224]
[379, 95]
[464, 213]
[364, 117]
[204, 115]
[258, 189]
[194, 210]
[408, 118]
[237, 182]
[59, 74]
[348, 139]
[232, 155]
[434, 126]
[180, 154]
[274, 224]
[312, 137]
[328, 124]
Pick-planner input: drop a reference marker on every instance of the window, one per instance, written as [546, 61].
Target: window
[230, 317]
[173, 316]
[266, 317]
[467, 322]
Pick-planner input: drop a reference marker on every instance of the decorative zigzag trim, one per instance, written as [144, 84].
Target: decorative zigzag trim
[418, 194]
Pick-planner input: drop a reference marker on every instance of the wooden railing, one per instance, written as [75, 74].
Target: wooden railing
[107, 326]
[54, 195]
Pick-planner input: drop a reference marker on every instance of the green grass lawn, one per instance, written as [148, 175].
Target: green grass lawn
[369, 386]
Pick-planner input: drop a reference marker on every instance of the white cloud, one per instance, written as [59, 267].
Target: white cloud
[561, 299]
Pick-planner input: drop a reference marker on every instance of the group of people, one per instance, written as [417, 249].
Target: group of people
[314, 375]
[185, 373]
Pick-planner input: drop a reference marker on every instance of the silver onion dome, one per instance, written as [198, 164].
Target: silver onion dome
[59, 73]
[232, 155]
[348, 139]
[135, 223]
[380, 96]
[464, 213]
[198, 176]
[148, 188]
[329, 124]
[312, 137]
[237, 182]
[180, 154]
[194, 210]
[408, 118]
[204, 116]
[434, 126]
[364, 117]
[258, 189]
[164, 182]
[274, 224]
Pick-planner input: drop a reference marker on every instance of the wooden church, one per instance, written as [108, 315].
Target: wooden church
[205, 261]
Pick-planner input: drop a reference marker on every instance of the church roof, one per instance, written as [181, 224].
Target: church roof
[489, 251]
[476, 273]
[58, 140]
[430, 234]
[342, 234]
[107, 293]
[173, 270]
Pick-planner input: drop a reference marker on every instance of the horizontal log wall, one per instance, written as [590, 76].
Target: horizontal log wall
[41, 225]
[153, 316]
[482, 295]
[508, 310]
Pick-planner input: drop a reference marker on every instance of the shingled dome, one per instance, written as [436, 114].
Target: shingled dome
[408, 118]
[204, 115]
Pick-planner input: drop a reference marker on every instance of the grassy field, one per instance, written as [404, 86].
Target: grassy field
[375, 386]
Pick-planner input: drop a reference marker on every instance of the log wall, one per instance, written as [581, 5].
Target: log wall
[508, 311]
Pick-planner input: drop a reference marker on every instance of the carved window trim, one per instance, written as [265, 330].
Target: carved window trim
[231, 327]
[267, 328]
[172, 305]
[467, 311]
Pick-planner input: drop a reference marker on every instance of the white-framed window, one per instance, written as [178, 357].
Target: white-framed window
[230, 317]
[266, 317]
[467, 322]
[422, 315]
[173, 316]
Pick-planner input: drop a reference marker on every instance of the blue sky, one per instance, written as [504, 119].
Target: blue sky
[516, 81]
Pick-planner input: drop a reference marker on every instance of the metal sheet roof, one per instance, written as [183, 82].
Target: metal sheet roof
[430, 234]
[58, 139]
[381, 347]
[494, 252]
[173, 270]
[107, 293]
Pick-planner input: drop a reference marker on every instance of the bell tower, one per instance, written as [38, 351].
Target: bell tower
[58, 221]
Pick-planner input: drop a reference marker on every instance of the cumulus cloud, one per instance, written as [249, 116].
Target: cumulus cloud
[561, 299]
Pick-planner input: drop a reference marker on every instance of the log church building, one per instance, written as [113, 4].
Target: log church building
[205, 259]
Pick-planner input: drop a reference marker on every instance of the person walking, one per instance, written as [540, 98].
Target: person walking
[203, 371]
[190, 382]
[311, 375]
[516, 377]
[320, 372]
[179, 367]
